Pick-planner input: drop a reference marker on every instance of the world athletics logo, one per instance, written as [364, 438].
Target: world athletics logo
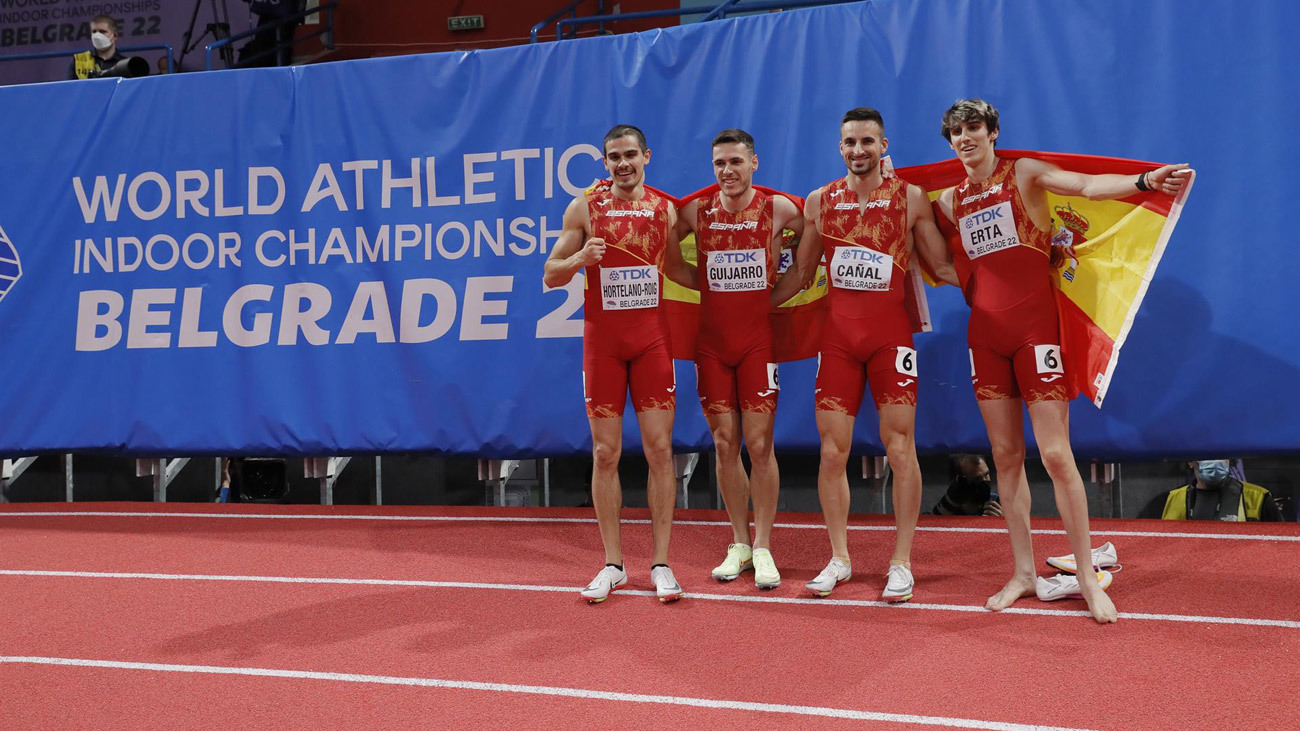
[11, 270]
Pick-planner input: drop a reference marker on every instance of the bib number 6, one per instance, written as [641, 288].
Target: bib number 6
[1047, 358]
[905, 361]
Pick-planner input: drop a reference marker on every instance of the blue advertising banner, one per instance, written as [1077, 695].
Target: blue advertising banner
[347, 258]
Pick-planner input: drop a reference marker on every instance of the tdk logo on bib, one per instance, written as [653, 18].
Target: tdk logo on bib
[988, 215]
[11, 270]
[630, 274]
[734, 257]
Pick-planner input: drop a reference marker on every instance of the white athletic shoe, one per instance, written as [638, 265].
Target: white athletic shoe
[1104, 556]
[739, 558]
[836, 572]
[1066, 586]
[609, 579]
[666, 586]
[898, 585]
[765, 574]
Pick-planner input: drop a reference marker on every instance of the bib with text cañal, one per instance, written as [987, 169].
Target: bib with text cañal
[862, 269]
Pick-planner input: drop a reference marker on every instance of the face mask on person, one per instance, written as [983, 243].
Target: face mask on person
[1213, 472]
[100, 40]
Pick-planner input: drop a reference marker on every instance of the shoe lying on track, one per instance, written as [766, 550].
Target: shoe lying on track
[1105, 556]
[609, 579]
[765, 574]
[1066, 586]
[836, 572]
[666, 586]
[739, 558]
[898, 584]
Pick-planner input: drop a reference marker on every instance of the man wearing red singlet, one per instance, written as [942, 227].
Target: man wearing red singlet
[738, 234]
[620, 233]
[1002, 262]
[867, 227]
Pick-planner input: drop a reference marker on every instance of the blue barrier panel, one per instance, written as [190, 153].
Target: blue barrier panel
[347, 257]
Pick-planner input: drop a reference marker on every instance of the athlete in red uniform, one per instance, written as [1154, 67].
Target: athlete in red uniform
[620, 233]
[867, 227]
[738, 234]
[1002, 261]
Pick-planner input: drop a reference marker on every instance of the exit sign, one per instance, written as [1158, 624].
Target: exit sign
[465, 22]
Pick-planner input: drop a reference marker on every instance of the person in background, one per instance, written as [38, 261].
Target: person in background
[1214, 493]
[971, 490]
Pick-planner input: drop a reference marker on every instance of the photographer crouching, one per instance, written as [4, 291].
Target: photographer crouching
[104, 60]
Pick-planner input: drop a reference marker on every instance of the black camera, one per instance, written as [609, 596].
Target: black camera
[132, 67]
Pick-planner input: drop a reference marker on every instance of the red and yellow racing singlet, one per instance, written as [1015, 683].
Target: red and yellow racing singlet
[1002, 258]
[866, 248]
[736, 268]
[623, 290]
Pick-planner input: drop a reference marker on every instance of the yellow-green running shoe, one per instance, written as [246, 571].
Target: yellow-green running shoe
[739, 558]
[765, 574]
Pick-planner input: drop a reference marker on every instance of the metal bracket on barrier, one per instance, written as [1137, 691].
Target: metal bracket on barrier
[10, 470]
[327, 470]
[1111, 494]
[163, 471]
[683, 467]
[496, 473]
[876, 470]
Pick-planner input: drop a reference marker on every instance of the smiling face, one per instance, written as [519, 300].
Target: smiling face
[626, 161]
[972, 141]
[733, 165]
[862, 144]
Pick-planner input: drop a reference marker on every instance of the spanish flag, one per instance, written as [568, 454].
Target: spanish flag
[796, 324]
[1108, 252]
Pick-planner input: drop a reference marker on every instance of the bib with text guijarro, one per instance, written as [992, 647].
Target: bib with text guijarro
[629, 288]
[862, 269]
[988, 230]
[743, 270]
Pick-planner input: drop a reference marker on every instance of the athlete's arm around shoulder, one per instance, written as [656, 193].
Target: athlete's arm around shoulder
[1168, 179]
[930, 244]
[785, 214]
[676, 268]
[806, 256]
[574, 250]
[945, 205]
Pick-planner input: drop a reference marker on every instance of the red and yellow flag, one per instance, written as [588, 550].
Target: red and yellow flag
[1109, 251]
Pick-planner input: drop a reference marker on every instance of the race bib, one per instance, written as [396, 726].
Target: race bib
[1048, 359]
[905, 361]
[988, 230]
[736, 271]
[629, 288]
[860, 268]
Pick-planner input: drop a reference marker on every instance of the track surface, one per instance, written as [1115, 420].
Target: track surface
[378, 617]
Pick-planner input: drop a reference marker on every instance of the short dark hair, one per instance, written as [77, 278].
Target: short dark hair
[969, 110]
[732, 136]
[112, 22]
[624, 130]
[863, 114]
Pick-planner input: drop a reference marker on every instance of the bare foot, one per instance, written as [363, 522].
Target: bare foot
[1017, 587]
[1102, 608]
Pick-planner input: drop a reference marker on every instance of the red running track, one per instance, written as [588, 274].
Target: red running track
[927, 661]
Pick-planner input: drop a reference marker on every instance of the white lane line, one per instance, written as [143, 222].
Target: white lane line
[1289, 624]
[544, 690]
[709, 523]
